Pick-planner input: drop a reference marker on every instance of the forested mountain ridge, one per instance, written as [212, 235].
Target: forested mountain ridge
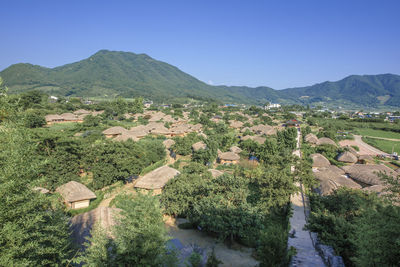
[126, 74]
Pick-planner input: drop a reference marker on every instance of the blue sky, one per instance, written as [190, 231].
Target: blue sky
[273, 43]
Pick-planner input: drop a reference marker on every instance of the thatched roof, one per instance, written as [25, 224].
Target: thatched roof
[53, 117]
[245, 129]
[69, 116]
[115, 130]
[168, 143]
[235, 124]
[263, 129]
[331, 179]
[82, 224]
[319, 160]
[215, 173]
[235, 149]
[157, 116]
[367, 174]
[347, 157]
[326, 141]
[157, 178]
[229, 156]
[199, 145]
[74, 191]
[375, 188]
[311, 138]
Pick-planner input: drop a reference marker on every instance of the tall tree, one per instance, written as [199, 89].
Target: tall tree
[33, 231]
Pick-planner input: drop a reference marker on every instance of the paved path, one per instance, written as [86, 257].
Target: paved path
[301, 240]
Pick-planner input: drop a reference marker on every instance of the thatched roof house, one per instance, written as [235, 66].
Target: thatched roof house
[53, 118]
[235, 124]
[69, 117]
[157, 178]
[228, 158]
[330, 180]
[235, 149]
[168, 143]
[199, 145]
[368, 174]
[76, 195]
[319, 160]
[375, 188]
[311, 138]
[215, 173]
[347, 157]
[326, 141]
[82, 224]
[263, 129]
[114, 131]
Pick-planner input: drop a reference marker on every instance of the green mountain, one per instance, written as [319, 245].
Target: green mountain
[111, 73]
[356, 90]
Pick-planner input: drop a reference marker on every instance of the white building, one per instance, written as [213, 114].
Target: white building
[271, 105]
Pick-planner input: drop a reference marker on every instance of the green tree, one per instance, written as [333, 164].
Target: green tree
[98, 249]
[33, 231]
[140, 234]
[34, 120]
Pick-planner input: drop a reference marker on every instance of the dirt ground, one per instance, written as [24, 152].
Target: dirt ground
[240, 256]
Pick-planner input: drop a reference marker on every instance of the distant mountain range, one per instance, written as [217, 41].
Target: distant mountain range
[110, 74]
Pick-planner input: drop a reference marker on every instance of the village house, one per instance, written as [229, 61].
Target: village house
[228, 158]
[156, 180]
[293, 123]
[114, 131]
[76, 195]
[199, 145]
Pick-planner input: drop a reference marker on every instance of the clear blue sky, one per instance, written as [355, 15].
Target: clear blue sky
[273, 43]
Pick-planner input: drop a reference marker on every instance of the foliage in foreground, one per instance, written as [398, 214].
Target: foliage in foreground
[140, 237]
[361, 228]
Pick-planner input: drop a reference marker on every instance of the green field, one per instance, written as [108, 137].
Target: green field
[383, 145]
[377, 133]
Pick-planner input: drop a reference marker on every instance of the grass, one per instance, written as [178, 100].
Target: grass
[383, 145]
[377, 133]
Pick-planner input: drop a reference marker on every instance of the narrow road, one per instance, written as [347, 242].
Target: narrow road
[301, 239]
[383, 138]
[360, 142]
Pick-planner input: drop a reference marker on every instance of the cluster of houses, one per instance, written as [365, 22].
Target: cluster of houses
[359, 171]
[76, 116]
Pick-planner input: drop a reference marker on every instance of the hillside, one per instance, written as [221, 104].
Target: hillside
[366, 90]
[111, 73]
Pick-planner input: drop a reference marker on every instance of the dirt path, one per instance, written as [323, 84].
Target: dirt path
[301, 239]
[240, 256]
[365, 149]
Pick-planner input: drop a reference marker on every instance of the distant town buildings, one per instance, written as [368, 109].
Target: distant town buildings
[272, 106]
